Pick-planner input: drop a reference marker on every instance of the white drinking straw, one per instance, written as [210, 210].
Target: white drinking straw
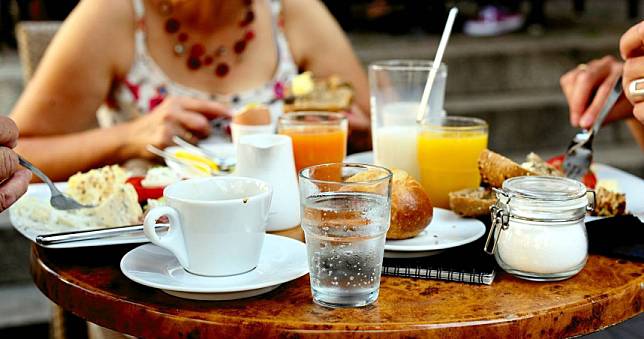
[437, 62]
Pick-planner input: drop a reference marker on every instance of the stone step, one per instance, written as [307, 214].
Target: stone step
[23, 305]
[14, 264]
[495, 65]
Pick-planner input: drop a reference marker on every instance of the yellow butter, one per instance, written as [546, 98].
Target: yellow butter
[197, 159]
[302, 84]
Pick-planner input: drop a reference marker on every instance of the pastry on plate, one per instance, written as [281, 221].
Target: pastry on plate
[308, 94]
[495, 168]
[472, 202]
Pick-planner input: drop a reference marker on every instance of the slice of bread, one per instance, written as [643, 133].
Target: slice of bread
[472, 202]
[331, 94]
[609, 203]
[495, 168]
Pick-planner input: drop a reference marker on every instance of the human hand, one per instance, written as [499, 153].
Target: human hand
[358, 119]
[631, 47]
[13, 181]
[598, 77]
[185, 117]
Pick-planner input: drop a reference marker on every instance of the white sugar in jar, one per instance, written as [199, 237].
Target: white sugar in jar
[538, 228]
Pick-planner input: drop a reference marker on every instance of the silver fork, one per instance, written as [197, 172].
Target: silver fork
[579, 155]
[58, 200]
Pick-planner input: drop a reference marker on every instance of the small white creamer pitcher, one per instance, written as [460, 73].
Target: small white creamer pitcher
[270, 158]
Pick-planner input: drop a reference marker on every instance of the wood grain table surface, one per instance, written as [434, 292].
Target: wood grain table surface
[89, 283]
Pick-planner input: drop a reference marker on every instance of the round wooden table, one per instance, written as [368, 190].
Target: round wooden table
[89, 283]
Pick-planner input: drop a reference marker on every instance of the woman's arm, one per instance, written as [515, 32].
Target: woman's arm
[58, 107]
[318, 44]
[57, 112]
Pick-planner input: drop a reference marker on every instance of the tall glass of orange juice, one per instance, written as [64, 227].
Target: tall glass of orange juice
[318, 137]
[448, 152]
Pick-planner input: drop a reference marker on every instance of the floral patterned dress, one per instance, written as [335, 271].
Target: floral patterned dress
[146, 85]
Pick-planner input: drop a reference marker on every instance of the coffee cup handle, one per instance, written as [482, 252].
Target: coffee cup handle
[173, 240]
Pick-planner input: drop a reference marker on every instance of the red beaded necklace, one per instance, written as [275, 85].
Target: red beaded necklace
[198, 55]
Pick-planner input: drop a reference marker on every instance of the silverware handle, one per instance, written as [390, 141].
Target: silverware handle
[64, 237]
[182, 143]
[610, 102]
[35, 170]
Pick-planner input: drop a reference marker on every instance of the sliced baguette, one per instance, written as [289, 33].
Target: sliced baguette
[472, 202]
[495, 168]
[609, 203]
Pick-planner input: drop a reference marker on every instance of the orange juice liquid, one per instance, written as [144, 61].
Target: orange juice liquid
[317, 145]
[448, 162]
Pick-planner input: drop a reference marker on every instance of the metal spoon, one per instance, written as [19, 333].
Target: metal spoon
[58, 200]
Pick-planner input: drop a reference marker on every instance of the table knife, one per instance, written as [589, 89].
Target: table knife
[65, 237]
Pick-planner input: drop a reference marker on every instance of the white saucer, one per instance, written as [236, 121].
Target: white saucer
[446, 230]
[282, 260]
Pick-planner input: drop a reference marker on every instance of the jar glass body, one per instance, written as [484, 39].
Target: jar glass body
[542, 250]
[539, 229]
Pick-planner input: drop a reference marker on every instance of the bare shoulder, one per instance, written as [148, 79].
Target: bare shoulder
[97, 24]
[302, 11]
[309, 26]
[108, 15]
[115, 11]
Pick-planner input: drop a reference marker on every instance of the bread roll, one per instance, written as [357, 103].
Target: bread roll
[495, 168]
[472, 202]
[411, 209]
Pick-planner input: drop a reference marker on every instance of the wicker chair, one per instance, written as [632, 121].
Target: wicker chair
[33, 38]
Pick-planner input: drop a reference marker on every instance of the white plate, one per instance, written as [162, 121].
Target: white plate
[362, 157]
[446, 230]
[282, 259]
[629, 184]
[30, 229]
[225, 151]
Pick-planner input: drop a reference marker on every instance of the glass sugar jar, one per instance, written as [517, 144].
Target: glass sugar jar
[538, 231]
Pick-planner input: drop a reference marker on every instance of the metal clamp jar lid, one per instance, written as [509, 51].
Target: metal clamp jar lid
[539, 199]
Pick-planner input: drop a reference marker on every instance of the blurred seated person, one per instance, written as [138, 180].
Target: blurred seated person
[154, 69]
[587, 87]
[495, 17]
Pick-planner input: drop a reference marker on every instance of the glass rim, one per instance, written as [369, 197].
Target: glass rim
[576, 189]
[290, 118]
[470, 123]
[388, 173]
[170, 194]
[405, 65]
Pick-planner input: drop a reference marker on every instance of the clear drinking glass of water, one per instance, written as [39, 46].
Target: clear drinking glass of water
[345, 217]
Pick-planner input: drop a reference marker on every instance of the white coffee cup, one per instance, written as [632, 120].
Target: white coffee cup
[237, 130]
[217, 224]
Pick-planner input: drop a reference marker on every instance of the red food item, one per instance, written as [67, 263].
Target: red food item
[145, 193]
[590, 180]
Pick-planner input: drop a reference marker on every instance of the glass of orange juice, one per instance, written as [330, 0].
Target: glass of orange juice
[318, 137]
[448, 153]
